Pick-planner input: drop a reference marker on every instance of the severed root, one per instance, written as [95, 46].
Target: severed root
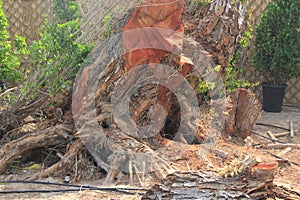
[47, 137]
[116, 161]
[67, 160]
[137, 165]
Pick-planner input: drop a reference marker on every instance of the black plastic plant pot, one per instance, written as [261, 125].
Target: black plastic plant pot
[273, 97]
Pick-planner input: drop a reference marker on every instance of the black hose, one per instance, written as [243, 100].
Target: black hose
[79, 188]
[262, 124]
[41, 191]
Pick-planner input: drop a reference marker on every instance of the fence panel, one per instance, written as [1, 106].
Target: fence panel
[26, 16]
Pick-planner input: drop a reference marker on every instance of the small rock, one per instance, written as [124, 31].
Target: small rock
[258, 160]
[67, 178]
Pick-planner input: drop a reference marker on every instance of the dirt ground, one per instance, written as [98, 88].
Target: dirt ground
[287, 178]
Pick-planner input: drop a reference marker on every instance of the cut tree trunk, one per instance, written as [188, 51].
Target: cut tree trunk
[243, 111]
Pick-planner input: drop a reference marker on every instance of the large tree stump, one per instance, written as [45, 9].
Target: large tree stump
[120, 115]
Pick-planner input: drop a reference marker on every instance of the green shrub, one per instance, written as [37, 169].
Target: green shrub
[57, 56]
[50, 63]
[66, 11]
[231, 76]
[277, 44]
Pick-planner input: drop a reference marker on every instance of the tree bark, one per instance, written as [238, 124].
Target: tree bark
[217, 27]
[208, 185]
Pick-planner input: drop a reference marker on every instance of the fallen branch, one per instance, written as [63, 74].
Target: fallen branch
[281, 146]
[48, 137]
[65, 162]
[7, 91]
[272, 136]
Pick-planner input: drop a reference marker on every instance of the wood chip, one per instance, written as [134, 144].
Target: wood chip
[272, 136]
[285, 151]
[29, 119]
[221, 153]
[292, 134]
[281, 134]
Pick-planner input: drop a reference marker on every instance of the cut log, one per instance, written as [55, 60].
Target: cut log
[282, 134]
[208, 185]
[243, 111]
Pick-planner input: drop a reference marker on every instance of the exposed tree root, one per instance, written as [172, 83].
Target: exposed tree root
[65, 162]
[47, 137]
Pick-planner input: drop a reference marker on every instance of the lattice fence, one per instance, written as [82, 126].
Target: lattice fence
[292, 95]
[26, 16]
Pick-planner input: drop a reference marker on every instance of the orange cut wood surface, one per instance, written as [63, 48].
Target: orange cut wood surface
[165, 14]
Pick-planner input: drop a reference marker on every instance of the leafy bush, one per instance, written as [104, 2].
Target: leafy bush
[66, 10]
[50, 64]
[56, 57]
[231, 77]
[277, 44]
[9, 56]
